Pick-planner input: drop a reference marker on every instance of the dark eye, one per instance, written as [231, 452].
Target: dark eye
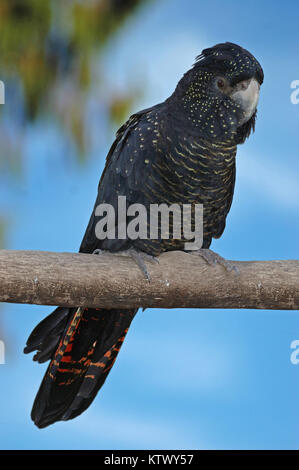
[220, 83]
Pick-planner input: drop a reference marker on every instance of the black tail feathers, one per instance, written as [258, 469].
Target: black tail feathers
[82, 345]
[46, 335]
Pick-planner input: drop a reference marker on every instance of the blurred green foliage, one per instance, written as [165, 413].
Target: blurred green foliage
[50, 60]
[48, 52]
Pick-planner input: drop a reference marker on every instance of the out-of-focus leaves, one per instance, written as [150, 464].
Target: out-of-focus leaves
[119, 107]
[24, 26]
[47, 44]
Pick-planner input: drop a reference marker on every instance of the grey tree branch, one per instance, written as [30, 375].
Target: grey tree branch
[179, 280]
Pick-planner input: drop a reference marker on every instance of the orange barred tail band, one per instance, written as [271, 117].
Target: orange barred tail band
[86, 352]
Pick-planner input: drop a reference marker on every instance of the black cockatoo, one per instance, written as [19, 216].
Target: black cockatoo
[179, 151]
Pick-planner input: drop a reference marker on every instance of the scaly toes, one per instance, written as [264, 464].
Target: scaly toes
[213, 258]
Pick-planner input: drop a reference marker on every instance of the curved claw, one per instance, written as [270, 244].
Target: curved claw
[138, 256]
[213, 258]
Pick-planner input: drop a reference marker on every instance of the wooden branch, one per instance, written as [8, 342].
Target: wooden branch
[113, 281]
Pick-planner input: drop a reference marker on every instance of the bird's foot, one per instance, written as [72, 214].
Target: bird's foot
[99, 252]
[213, 258]
[140, 257]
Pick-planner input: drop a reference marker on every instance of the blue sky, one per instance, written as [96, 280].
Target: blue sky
[206, 379]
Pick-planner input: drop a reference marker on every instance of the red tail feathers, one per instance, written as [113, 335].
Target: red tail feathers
[87, 350]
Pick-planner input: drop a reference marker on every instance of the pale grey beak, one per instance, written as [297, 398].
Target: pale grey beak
[246, 95]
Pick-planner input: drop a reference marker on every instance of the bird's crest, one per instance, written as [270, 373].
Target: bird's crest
[231, 59]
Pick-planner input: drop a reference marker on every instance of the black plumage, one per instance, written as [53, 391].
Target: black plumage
[181, 151]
